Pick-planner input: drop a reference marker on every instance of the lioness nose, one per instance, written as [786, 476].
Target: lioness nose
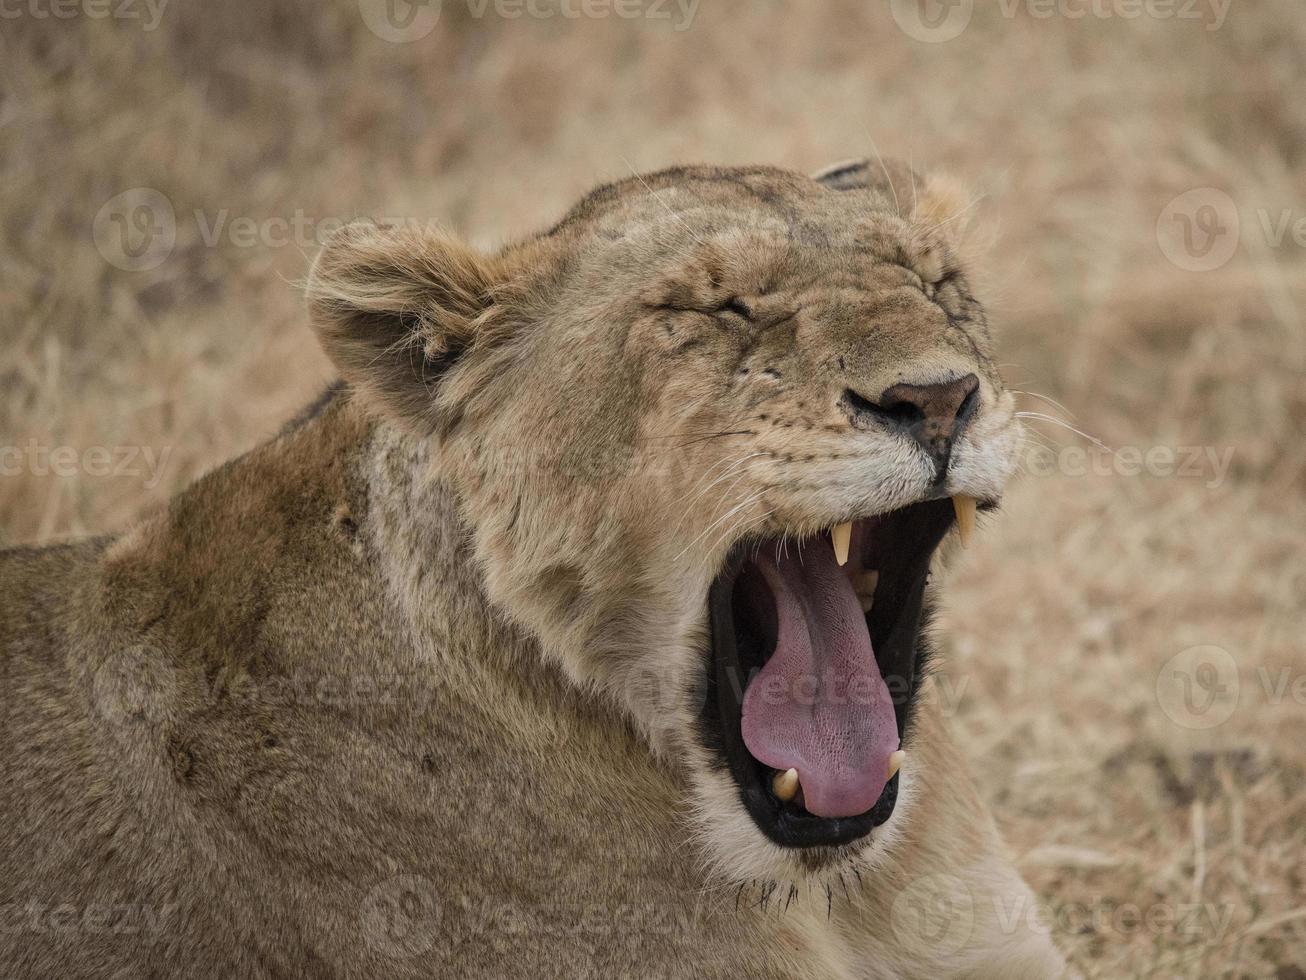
[933, 414]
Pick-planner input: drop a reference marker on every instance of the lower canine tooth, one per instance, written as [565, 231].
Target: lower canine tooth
[895, 763]
[965, 508]
[864, 584]
[842, 535]
[785, 785]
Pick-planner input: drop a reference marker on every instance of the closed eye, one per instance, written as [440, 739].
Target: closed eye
[738, 307]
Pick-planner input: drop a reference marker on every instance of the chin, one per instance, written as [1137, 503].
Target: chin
[739, 854]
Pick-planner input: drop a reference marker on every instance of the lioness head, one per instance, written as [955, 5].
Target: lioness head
[706, 431]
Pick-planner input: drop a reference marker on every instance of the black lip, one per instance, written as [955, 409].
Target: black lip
[905, 542]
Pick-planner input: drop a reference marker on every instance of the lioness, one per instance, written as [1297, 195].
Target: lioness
[575, 633]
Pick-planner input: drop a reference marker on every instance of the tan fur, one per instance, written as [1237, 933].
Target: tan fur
[412, 689]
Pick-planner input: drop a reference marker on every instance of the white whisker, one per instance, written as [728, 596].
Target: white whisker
[897, 207]
[726, 516]
[1039, 416]
[1043, 398]
[664, 204]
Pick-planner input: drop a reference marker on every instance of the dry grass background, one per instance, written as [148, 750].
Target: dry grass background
[1076, 131]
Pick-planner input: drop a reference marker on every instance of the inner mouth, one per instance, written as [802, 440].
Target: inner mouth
[816, 668]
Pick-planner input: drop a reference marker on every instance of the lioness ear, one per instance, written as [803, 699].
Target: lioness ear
[394, 308]
[893, 179]
[938, 200]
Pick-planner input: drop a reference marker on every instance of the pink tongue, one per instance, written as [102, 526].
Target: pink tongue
[819, 705]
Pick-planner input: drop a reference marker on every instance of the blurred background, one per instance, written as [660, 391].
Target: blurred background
[1123, 648]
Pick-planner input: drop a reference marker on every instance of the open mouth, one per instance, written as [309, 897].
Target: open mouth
[817, 659]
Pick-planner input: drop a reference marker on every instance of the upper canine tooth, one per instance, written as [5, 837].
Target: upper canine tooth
[785, 785]
[965, 508]
[842, 536]
[895, 763]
